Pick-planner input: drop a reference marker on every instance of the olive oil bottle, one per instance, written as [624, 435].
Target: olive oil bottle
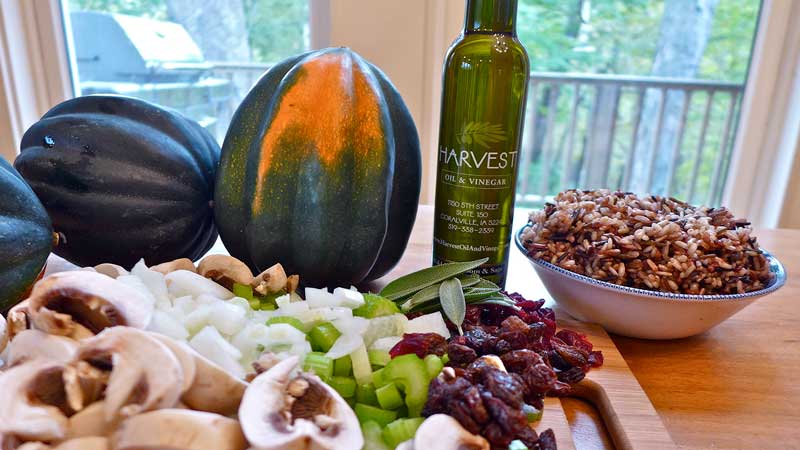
[486, 73]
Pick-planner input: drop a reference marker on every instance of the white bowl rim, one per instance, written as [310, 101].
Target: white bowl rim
[775, 267]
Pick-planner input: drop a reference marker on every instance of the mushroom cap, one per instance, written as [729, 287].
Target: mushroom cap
[185, 356]
[443, 432]
[176, 264]
[225, 270]
[145, 374]
[31, 398]
[271, 418]
[214, 389]
[90, 421]
[111, 270]
[271, 280]
[179, 429]
[32, 344]
[85, 443]
[67, 302]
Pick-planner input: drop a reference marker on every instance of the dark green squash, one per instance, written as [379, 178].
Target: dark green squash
[122, 179]
[26, 236]
[320, 171]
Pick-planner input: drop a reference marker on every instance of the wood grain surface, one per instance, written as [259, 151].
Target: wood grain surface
[733, 387]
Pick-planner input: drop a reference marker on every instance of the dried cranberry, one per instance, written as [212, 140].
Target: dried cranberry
[595, 359]
[420, 344]
[575, 339]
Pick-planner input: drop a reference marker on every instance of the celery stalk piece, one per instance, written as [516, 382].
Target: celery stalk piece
[362, 370]
[379, 379]
[376, 306]
[379, 357]
[319, 364]
[389, 397]
[343, 367]
[287, 320]
[345, 386]
[365, 393]
[366, 413]
[410, 372]
[401, 430]
[323, 336]
[373, 438]
[242, 290]
[434, 365]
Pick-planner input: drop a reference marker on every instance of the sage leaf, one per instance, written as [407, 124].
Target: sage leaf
[451, 296]
[431, 293]
[416, 281]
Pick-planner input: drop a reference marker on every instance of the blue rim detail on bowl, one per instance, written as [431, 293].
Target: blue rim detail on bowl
[775, 267]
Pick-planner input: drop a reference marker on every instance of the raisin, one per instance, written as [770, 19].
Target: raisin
[572, 376]
[528, 437]
[461, 354]
[518, 360]
[547, 440]
[513, 323]
[560, 389]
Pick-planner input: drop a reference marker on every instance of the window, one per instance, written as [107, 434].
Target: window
[199, 58]
[633, 95]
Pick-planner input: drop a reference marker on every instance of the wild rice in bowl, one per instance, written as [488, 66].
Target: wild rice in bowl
[652, 243]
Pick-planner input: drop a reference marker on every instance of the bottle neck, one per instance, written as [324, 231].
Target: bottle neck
[491, 16]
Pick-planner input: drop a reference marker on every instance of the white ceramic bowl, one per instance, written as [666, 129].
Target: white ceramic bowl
[641, 313]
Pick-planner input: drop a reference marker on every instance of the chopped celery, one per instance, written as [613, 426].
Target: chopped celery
[366, 413]
[376, 306]
[266, 306]
[389, 397]
[445, 359]
[323, 336]
[379, 357]
[319, 364]
[255, 304]
[373, 438]
[287, 320]
[365, 393]
[379, 379]
[362, 371]
[434, 365]
[401, 430]
[409, 371]
[345, 386]
[533, 414]
[243, 290]
[343, 367]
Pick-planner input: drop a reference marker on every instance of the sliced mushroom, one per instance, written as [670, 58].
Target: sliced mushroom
[30, 446]
[280, 410]
[18, 319]
[443, 432]
[3, 333]
[179, 429]
[72, 303]
[292, 281]
[271, 280]
[214, 389]
[32, 344]
[85, 443]
[111, 270]
[33, 402]
[177, 264]
[144, 373]
[185, 356]
[225, 270]
[90, 421]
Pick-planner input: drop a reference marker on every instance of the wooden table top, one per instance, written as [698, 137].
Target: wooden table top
[736, 386]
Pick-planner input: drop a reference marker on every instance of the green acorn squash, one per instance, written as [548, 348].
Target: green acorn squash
[122, 179]
[26, 236]
[320, 171]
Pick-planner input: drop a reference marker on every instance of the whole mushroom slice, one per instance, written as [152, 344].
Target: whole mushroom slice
[281, 410]
[144, 373]
[214, 389]
[69, 303]
[271, 280]
[225, 270]
[179, 429]
[33, 402]
[185, 356]
[111, 270]
[90, 421]
[32, 344]
[443, 432]
[18, 320]
[172, 266]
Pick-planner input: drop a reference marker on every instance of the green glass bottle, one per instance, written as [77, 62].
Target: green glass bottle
[486, 74]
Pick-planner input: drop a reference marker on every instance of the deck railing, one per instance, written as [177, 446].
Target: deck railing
[665, 136]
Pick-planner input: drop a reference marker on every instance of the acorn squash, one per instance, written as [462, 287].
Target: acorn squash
[320, 171]
[26, 236]
[122, 179]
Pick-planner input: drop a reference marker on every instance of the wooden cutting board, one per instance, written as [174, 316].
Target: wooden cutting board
[628, 416]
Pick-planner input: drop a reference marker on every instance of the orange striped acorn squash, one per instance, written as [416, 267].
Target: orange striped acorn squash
[320, 170]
